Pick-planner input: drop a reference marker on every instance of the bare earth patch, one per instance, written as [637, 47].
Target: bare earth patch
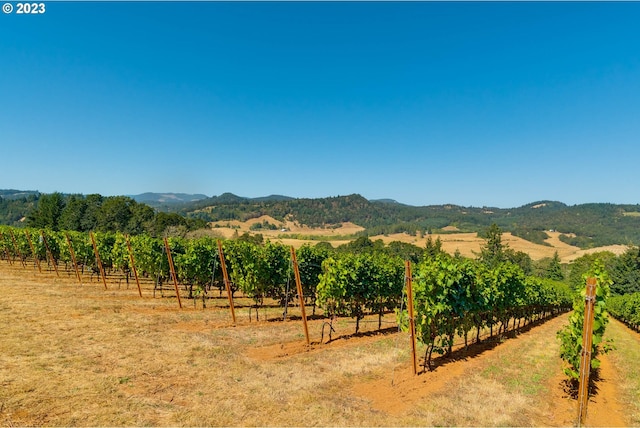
[492, 378]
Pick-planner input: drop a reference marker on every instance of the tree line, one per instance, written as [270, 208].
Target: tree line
[586, 225]
[80, 213]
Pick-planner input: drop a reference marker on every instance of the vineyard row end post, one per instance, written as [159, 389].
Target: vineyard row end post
[585, 358]
[133, 264]
[173, 271]
[97, 254]
[412, 323]
[6, 250]
[73, 258]
[225, 277]
[33, 250]
[49, 253]
[17, 249]
[300, 294]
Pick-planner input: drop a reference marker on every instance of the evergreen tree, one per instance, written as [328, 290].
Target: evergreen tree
[432, 249]
[554, 270]
[48, 211]
[625, 272]
[493, 251]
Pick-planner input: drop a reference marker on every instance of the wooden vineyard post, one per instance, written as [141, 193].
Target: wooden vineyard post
[133, 265]
[97, 253]
[17, 249]
[173, 271]
[6, 251]
[73, 258]
[300, 294]
[227, 285]
[585, 358]
[46, 246]
[33, 250]
[412, 322]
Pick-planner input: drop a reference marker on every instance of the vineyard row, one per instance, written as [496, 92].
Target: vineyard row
[452, 295]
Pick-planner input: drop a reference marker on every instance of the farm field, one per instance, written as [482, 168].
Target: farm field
[468, 244]
[80, 355]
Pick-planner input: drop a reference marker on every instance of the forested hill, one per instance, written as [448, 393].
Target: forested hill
[592, 224]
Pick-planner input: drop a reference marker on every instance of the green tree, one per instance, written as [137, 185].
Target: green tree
[625, 272]
[493, 251]
[432, 249]
[360, 245]
[92, 212]
[405, 251]
[73, 212]
[580, 266]
[165, 220]
[115, 214]
[142, 218]
[519, 258]
[554, 270]
[48, 212]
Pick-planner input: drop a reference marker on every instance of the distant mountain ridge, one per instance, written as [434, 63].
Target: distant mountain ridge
[16, 194]
[151, 198]
[385, 201]
[165, 199]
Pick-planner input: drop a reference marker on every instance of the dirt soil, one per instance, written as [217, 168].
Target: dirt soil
[400, 389]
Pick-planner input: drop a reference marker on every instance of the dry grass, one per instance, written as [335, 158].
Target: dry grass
[78, 355]
[625, 360]
[229, 228]
[468, 244]
[75, 355]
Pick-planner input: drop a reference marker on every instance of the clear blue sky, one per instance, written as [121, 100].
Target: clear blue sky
[475, 104]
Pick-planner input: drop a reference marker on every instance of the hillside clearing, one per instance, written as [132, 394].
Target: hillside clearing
[468, 244]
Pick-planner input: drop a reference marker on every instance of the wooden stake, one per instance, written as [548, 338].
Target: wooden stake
[73, 258]
[97, 253]
[133, 265]
[300, 294]
[6, 250]
[15, 246]
[227, 285]
[33, 250]
[585, 358]
[46, 246]
[173, 272]
[412, 321]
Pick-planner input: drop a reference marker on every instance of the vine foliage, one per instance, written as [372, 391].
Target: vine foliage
[571, 335]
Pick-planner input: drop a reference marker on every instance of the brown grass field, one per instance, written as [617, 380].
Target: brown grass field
[80, 355]
[468, 244]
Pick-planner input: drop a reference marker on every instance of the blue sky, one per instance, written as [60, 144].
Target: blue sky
[470, 103]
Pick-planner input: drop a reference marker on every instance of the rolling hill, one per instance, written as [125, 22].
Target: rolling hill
[584, 226]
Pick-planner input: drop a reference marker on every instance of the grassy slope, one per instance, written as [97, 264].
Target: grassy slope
[625, 360]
